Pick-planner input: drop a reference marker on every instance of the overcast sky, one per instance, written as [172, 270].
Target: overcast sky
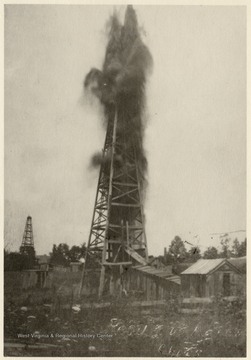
[196, 129]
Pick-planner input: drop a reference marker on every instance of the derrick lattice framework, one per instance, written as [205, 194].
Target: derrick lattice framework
[27, 246]
[117, 237]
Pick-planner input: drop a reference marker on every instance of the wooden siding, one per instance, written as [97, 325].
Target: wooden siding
[132, 282]
[33, 278]
[149, 287]
[197, 285]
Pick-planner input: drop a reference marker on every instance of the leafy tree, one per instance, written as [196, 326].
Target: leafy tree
[211, 253]
[243, 248]
[177, 250]
[236, 247]
[63, 255]
[77, 252]
[15, 261]
[225, 246]
[60, 255]
[239, 249]
[194, 254]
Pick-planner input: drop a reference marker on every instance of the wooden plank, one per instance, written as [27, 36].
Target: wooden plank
[127, 234]
[118, 263]
[125, 205]
[125, 184]
[115, 258]
[132, 227]
[135, 255]
[99, 227]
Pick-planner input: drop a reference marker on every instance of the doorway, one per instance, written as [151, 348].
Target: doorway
[226, 284]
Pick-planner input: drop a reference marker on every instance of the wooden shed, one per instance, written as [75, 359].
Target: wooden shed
[211, 277]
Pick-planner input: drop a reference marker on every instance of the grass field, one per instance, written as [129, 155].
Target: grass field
[54, 329]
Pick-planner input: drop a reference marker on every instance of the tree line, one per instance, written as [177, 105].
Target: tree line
[178, 252]
[63, 254]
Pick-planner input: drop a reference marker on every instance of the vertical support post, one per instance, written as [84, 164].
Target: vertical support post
[102, 276]
[141, 208]
[122, 231]
[121, 280]
[127, 234]
[102, 280]
[89, 240]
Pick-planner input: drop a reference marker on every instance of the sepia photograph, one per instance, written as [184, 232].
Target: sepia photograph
[125, 225]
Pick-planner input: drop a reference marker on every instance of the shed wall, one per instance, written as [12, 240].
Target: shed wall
[223, 281]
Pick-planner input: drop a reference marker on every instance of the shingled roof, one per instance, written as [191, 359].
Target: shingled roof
[206, 266]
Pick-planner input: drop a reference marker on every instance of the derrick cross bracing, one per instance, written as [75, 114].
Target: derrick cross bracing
[27, 246]
[27, 241]
[117, 236]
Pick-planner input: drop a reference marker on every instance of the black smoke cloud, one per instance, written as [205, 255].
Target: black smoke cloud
[98, 159]
[121, 82]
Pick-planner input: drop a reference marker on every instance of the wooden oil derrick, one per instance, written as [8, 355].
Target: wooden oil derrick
[27, 246]
[117, 236]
